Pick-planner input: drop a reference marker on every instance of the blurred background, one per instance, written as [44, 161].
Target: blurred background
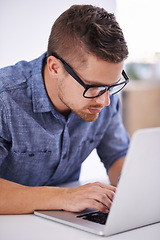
[141, 99]
[25, 27]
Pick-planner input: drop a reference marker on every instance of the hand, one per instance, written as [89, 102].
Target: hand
[93, 195]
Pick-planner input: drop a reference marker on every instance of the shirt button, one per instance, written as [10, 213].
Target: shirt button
[31, 155]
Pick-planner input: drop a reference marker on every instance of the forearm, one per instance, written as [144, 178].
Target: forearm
[19, 199]
[115, 170]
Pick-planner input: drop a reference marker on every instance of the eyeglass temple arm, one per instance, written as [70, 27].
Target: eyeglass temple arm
[125, 75]
[69, 70]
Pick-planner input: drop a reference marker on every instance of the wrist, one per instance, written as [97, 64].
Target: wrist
[49, 198]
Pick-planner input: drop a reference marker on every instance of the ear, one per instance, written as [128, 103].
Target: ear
[53, 66]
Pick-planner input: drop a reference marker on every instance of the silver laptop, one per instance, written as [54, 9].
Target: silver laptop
[137, 199]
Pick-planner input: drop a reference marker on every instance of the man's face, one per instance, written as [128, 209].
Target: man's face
[96, 72]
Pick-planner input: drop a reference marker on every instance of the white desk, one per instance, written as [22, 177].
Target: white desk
[30, 227]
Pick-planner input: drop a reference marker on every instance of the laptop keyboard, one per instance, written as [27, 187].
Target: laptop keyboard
[97, 217]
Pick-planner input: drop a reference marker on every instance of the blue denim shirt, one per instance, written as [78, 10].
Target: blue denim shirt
[38, 146]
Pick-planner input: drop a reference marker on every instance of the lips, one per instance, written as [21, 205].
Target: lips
[94, 110]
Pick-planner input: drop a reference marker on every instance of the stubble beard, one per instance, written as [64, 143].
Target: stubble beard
[88, 117]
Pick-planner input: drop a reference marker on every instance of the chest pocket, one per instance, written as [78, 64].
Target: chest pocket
[30, 168]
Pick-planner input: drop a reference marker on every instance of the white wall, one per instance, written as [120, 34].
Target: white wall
[25, 25]
[139, 20]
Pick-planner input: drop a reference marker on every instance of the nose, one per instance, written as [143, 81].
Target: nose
[104, 99]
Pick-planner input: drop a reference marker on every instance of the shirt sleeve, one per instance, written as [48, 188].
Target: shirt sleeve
[4, 135]
[115, 142]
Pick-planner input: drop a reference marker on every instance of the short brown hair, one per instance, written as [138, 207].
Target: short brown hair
[90, 29]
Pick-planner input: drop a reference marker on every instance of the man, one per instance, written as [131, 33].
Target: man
[56, 109]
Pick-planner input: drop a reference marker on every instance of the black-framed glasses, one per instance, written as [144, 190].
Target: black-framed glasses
[93, 91]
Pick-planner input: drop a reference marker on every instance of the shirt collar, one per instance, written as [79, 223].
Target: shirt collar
[41, 101]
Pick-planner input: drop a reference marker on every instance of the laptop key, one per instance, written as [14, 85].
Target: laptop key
[97, 217]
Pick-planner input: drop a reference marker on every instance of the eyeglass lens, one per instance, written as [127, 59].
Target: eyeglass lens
[97, 91]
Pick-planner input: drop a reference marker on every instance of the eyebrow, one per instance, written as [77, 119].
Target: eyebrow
[87, 82]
